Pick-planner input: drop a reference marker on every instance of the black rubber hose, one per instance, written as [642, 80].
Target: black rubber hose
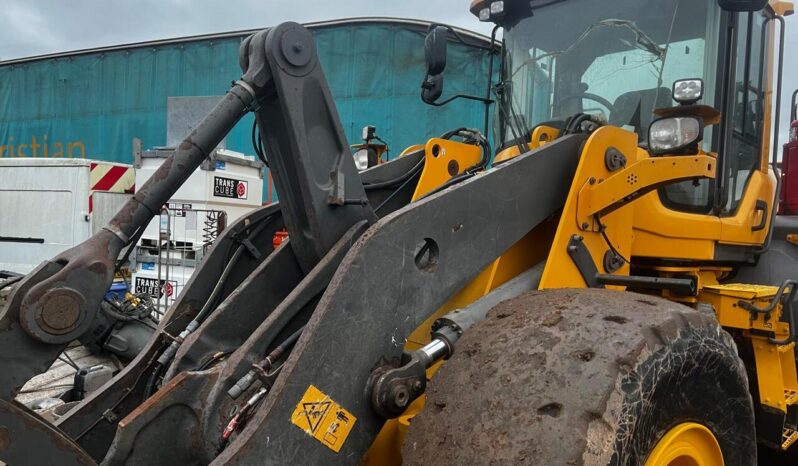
[404, 177]
[115, 312]
[470, 171]
[770, 307]
[265, 364]
[395, 181]
[779, 297]
[486, 152]
[220, 284]
[168, 354]
[453, 133]
[573, 125]
[281, 349]
[790, 317]
[289, 342]
[149, 388]
[453, 181]
[257, 143]
[231, 263]
[397, 190]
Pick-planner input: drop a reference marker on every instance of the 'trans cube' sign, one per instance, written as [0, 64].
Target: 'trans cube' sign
[228, 187]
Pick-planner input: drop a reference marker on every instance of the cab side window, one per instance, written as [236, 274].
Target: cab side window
[743, 145]
[743, 148]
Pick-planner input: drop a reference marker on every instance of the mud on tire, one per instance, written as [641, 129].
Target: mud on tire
[583, 377]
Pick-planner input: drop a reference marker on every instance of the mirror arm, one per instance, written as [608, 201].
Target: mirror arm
[462, 96]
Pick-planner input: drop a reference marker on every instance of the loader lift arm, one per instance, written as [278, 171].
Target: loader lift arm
[57, 302]
[282, 81]
[321, 281]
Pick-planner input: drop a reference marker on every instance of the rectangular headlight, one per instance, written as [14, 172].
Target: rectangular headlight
[669, 135]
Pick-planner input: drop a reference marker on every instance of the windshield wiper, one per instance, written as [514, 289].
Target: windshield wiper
[642, 42]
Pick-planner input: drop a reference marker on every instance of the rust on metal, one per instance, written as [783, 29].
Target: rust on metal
[41, 443]
[60, 310]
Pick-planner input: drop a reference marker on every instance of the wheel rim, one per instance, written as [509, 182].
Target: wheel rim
[688, 444]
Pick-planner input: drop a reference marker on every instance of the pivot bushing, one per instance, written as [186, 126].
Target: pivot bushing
[297, 46]
[55, 316]
[291, 47]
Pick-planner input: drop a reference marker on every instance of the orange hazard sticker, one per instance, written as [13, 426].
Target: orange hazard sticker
[323, 419]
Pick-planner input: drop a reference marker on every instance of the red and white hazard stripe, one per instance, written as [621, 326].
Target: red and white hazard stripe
[110, 178]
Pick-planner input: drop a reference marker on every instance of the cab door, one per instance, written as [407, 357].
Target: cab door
[746, 192]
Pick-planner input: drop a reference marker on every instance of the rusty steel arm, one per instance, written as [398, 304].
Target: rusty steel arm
[57, 302]
[322, 197]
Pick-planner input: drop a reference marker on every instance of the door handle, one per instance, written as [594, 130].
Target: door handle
[761, 206]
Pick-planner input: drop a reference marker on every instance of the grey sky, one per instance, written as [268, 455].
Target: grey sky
[34, 27]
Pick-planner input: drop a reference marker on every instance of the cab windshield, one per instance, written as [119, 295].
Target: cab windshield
[617, 58]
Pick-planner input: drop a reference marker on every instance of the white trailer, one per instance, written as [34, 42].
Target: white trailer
[49, 205]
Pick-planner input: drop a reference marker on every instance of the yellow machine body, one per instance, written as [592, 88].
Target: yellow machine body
[620, 211]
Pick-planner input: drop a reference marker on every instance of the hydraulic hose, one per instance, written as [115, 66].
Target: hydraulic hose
[265, 365]
[165, 358]
[472, 170]
[395, 181]
[778, 298]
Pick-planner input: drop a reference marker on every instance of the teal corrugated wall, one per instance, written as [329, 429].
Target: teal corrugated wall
[95, 104]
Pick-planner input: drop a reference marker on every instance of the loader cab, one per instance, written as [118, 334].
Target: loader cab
[618, 60]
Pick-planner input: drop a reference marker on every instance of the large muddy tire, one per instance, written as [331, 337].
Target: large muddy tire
[583, 377]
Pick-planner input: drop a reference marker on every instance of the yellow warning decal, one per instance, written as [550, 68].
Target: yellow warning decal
[323, 419]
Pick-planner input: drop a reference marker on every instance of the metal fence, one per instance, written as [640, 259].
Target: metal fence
[165, 264]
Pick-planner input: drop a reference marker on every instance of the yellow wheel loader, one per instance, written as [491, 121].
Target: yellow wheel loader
[609, 285]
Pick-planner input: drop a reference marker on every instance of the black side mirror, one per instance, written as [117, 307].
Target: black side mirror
[742, 5]
[435, 59]
[432, 88]
[435, 50]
